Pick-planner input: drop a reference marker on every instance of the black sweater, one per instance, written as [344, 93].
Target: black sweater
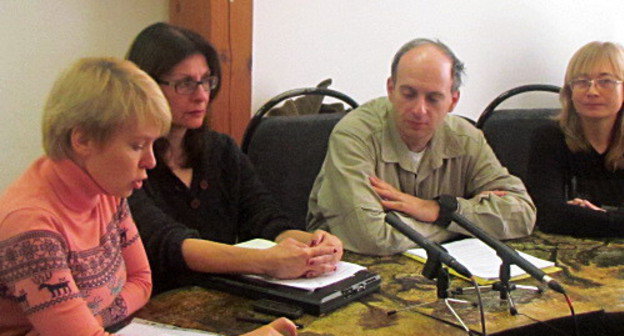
[556, 175]
[226, 203]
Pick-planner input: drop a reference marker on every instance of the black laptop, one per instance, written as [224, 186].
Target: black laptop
[316, 302]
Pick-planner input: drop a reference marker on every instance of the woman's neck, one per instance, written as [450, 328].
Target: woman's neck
[598, 133]
[176, 155]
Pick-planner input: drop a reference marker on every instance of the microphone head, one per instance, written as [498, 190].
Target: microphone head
[554, 285]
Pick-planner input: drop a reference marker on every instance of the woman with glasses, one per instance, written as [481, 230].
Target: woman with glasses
[576, 169]
[203, 195]
[71, 260]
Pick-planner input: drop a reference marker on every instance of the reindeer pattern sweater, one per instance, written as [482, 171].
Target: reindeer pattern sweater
[71, 260]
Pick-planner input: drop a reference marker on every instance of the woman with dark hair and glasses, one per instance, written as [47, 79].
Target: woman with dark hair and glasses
[576, 169]
[203, 195]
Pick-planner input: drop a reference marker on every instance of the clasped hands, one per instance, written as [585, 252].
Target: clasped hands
[302, 254]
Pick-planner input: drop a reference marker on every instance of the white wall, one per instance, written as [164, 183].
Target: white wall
[504, 44]
[298, 43]
[39, 38]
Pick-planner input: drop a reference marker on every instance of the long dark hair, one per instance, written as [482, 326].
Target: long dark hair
[159, 48]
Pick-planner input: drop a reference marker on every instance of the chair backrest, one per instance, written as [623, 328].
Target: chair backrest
[266, 108]
[509, 131]
[287, 153]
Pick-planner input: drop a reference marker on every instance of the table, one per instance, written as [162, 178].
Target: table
[592, 273]
[591, 268]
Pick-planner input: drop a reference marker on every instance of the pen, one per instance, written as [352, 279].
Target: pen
[260, 321]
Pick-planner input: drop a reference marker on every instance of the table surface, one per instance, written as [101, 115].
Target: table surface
[592, 273]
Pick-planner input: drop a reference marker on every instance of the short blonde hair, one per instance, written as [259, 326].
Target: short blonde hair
[100, 95]
[583, 62]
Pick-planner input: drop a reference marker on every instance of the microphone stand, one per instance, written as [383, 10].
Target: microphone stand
[433, 270]
[503, 284]
[436, 255]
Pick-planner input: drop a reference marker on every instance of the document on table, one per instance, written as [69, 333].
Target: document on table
[344, 270]
[482, 261]
[140, 327]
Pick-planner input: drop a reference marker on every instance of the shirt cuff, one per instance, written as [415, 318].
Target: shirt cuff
[448, 205]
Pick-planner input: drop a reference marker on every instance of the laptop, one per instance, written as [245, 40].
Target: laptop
[315, 302]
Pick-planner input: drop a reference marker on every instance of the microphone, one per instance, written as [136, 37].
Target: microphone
[505, 252]
[432, 248]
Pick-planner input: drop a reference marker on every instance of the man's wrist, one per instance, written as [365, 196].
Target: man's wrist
[448, 204]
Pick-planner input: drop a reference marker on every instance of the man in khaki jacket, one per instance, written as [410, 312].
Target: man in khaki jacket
[404, 153]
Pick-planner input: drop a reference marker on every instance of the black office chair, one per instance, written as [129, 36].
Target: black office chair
[509, 131]
[288, 151]
[266, 108]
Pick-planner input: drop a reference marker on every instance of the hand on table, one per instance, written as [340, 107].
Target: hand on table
[324, 238]
[291, 259]
[585, 204]
[280, 327]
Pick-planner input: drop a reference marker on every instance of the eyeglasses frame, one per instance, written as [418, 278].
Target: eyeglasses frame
[586, 84]
[213, 82]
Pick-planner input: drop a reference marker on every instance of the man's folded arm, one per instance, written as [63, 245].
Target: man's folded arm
[348, 206]
[506, 217]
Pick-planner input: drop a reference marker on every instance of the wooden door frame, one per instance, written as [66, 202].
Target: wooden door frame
[228, 25]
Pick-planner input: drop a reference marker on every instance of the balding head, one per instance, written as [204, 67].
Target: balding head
[457, 66]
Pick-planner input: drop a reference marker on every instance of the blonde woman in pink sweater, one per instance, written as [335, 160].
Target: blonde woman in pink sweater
[71, 260]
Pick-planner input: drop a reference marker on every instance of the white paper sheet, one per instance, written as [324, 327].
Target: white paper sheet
[480, 259]
[140, 327]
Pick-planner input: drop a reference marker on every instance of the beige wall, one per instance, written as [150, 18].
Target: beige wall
[38, 39]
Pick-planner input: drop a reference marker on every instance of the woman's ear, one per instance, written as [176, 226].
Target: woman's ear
[81, 143]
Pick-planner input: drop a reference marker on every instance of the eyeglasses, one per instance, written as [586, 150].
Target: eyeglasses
[188, 86]
[604, 84]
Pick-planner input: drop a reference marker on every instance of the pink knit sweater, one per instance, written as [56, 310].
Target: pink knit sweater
[71, 260]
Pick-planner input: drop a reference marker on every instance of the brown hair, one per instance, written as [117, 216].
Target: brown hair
[158, 49]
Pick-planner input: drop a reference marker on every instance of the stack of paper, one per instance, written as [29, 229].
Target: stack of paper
[344, 270]
[140, 327]
[482, 261]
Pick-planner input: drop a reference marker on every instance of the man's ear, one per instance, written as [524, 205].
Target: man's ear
[390, 86]
[454, 100]
[81, 142]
